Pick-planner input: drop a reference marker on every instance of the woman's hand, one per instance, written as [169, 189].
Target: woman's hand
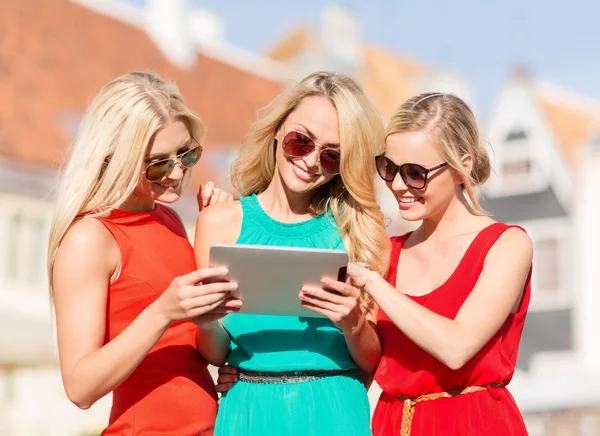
[338, 301]
[191, 296]
[360, 276]
[228, 375]
[208, 194]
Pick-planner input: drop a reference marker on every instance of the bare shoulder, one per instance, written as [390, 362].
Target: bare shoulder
[86, 246]
[85, 236]
[514, 245]
[221, 214]
[219, 223]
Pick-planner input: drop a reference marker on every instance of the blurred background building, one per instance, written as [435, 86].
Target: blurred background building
[56, 54]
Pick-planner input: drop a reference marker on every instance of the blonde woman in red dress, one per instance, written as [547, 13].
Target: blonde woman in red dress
[453, 306]
[124, 282]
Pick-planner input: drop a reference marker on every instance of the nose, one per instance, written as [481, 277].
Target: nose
[312, 158]
[177, 172]
[398, 183]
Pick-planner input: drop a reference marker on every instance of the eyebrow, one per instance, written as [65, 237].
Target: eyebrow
[161, 156]
[312, 136]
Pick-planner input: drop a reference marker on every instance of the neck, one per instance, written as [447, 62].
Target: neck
[138, 204]
[449, 222]
[283, 204]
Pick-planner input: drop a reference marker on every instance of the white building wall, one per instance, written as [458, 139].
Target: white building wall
[586, 236]
[517, 108]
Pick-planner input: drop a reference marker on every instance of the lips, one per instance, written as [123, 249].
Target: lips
[167, 185]
[408, 202]
[302, 174]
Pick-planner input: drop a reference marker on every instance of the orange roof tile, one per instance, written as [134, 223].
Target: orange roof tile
[387, 78]
[289, 48]
[55, 55]
[571, 125]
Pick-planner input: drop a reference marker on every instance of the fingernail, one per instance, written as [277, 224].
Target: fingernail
[223, 270]
[233, 286]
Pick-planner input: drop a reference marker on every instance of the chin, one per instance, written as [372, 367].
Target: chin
[168, 197]
[298, 186]
[411, 217]
[413, 214]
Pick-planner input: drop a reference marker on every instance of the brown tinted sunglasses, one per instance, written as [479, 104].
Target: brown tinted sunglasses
[162, 168]
[413, 175]
[296, 145]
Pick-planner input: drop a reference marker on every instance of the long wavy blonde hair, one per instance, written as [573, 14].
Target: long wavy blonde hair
[454, 125]
[351, 196]
[106, 159]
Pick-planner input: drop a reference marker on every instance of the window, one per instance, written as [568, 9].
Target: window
[520, 167]
[547, 261]
[517, 164]
[26, 248]
[14, 227]
[516, 135]
[589, 425]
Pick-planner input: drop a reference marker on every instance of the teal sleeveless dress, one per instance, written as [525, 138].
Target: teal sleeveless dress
[328, 406]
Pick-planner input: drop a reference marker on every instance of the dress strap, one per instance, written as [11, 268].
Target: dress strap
[119, 233]
[397, 243]
[483, 243]
[474, 260]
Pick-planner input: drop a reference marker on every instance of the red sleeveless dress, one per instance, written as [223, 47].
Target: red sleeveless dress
[171, 392]
[407, 370]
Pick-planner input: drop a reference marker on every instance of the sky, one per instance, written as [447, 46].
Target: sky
[483, 40]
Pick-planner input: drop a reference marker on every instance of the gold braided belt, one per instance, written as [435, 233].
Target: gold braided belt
[408, 411]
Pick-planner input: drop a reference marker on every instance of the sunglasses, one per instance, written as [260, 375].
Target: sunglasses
[162, 168]
[413, 175]
[296, 145]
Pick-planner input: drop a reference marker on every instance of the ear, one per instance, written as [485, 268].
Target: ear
[467, 163]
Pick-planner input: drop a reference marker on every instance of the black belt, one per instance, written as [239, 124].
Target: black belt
[271, 377]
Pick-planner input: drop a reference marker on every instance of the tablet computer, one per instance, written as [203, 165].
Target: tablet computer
[270, 278]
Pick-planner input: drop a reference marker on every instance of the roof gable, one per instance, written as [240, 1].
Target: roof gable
[55, 55]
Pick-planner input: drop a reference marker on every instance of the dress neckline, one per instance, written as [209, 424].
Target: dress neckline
[274, 226]
[399, 244]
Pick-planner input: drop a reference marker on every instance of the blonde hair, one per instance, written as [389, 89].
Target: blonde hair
[106, 159]
[351, 196]
[452, 122]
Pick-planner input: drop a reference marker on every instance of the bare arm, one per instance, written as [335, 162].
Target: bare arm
[218, 223]
[497, 293]
[364, 344]
[87, 259]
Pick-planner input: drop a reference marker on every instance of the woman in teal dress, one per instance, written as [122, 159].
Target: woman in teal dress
[306, 180]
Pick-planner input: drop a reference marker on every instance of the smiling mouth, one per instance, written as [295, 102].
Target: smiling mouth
[167, 185]
[303, 174]
[408, 201]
